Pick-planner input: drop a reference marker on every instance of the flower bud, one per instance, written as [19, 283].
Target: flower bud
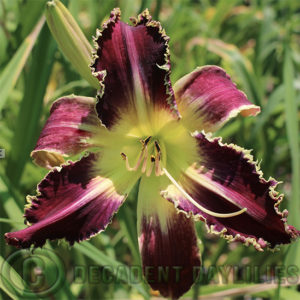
[70, 39]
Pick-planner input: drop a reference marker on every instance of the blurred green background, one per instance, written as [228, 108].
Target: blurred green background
[256, 41]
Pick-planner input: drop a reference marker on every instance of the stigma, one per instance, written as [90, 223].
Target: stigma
[149, 159]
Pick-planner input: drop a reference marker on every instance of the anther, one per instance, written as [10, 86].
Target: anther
[157, 159]
[157, 146]
[146, 141]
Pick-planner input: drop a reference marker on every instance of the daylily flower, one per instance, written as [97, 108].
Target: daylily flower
[136, 131]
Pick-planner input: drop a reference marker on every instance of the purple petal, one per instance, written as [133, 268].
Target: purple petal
[133, 63]
[226, 180]
[207, 98]
[71, 123]
[167, 241]
[73, 203]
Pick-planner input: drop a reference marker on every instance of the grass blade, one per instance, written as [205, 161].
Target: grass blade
[27, 126]
[10, 75]
[292, 128]
[291, 111]
[7, 277]
[98, 256]
[10, 204]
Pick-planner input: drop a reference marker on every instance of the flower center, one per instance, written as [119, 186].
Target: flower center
[160, 146]
[159, 141]
[146, 147]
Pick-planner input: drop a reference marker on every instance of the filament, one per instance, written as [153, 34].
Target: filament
[124, 156]
[149, 171]
[144, 167]
[191, 200]
[157, 159]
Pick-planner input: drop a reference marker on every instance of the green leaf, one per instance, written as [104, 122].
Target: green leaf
[266, 290]
[9, 279]
[9, 202]
[50, 284]
[27, 122]
[291, 114]
[272, 105]
[285, 293]
[10, 75]
[128, 222]
[221, 10]
[32, 9]
[120, 271]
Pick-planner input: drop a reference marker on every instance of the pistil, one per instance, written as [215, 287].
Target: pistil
[191, 200]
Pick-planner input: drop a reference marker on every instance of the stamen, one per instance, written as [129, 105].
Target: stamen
[124, 157]
[157, 167]
[149, 171]
[144, 153]
[146, 141]
[157, 160]
[157, 147]
[145, 159]
[139, 160]
[189, 198]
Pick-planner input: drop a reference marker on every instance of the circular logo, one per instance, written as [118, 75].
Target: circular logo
[29, 274]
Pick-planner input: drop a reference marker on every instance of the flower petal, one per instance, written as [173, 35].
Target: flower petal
[207, 98]
[133, 63]
[167, 241]
[227, 181]
[71, 123]
[72, 203]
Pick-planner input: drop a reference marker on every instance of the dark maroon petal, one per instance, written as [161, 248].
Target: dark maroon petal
[207, 98]
[168, 243]
[133, 64]
[225, 180]
[73, 203]
[71, 123]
